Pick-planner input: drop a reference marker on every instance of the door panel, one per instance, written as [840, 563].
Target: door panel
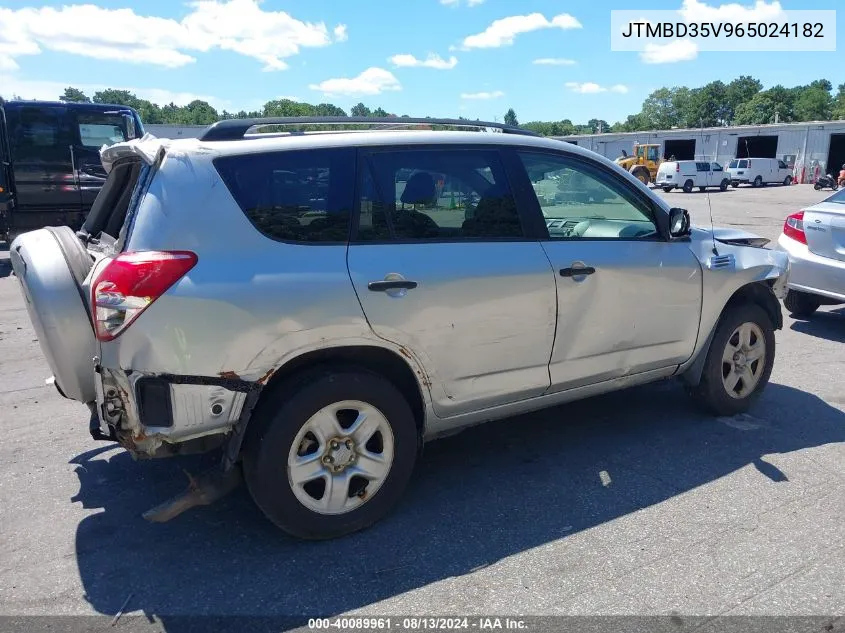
[637, 305]
[480, 311]
[45, 186]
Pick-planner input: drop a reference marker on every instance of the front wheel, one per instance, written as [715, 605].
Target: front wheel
[787, 181]
[724, 185]
[668, 189]
[739, 361]
[734, 185]
[332, 453]
[817, 187]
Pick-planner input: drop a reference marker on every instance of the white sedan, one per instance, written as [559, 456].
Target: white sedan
[814, 239]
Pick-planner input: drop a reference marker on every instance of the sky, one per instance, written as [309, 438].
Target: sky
[546, 59]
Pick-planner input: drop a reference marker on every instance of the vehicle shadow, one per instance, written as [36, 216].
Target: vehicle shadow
[829, 325]
[477, 498]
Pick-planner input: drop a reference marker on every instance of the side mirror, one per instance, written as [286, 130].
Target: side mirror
[679, 222]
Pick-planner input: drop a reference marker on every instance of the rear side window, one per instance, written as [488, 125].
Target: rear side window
[702, 166]
[443, 194]
[294, 196]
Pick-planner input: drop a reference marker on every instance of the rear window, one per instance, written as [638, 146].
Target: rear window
[294, 196]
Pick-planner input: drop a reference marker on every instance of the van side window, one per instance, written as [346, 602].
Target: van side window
[38, 130]
[702, 166]
[96, 129]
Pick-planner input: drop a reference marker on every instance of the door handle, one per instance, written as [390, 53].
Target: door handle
[577, 272]
[391, 284]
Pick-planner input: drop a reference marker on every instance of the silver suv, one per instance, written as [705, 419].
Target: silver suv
[316, 306]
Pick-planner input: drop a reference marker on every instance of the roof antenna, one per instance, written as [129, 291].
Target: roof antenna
[707, 192]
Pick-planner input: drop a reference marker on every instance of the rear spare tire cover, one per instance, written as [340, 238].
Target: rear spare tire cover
[51, 265]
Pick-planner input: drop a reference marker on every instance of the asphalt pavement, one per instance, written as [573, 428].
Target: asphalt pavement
[633, 503]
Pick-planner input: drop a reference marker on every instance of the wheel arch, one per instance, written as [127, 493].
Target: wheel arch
[757, 292]
[387, 363]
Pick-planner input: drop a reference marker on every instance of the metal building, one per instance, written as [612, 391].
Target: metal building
[174, 131]
[810, 148]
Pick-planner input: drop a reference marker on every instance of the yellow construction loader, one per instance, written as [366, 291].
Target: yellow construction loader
[644, 163]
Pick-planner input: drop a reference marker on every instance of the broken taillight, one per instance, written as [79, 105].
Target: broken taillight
[130, 283]
[794, 227]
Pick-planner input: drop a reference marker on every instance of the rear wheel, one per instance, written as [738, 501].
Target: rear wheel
[668, 189]
[723, 186]
[758, 182]
[739, 361]
[688, 185]
[331, 453]
[801, 304]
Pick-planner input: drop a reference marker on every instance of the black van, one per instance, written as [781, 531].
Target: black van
[50, 170]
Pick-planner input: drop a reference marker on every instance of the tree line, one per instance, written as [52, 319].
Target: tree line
[740, 102]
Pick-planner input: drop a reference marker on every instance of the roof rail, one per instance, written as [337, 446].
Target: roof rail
[236, 129]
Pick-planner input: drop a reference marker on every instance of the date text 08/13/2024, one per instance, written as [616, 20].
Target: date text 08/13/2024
[416, 623]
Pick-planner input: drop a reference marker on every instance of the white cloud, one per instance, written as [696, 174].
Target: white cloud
[554, 61]
[240, 26]
[760, 11]
[454, 3]
[503, 32]
[340, 34]
[483, 96]
[432, 61]
[673, 52]
[52, 90]
[590, 88]
[372, 81]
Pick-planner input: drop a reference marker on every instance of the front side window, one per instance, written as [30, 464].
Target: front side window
[96, 130]
[579, 201]
[782, 165]
[444, 194]
[296, 196]
[653, 153]
[717, 167]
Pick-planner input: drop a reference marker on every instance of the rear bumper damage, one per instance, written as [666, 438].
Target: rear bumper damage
[163, 415]
[160, 415]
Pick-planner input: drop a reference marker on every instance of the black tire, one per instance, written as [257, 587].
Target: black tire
[688, 185]
[758, 182]
[734, 185]
[711, 393]
[279, 419]
[801, 304]
[668, 189]
[817, 187]
[702, 189]
[787, 181]
[724, 185]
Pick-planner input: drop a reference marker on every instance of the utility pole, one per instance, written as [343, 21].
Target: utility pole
[777, 117]
[599, 127]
